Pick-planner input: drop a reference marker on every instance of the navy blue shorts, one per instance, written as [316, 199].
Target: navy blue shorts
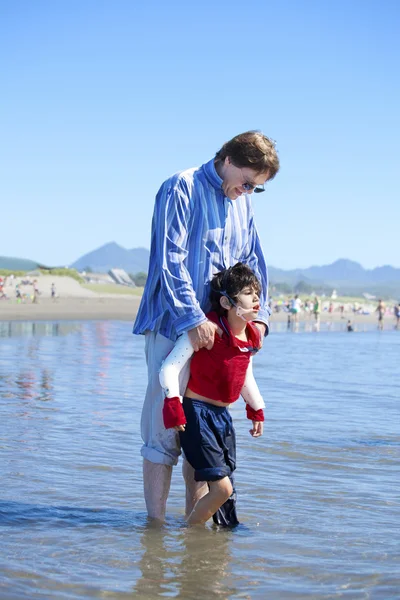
[209, 440]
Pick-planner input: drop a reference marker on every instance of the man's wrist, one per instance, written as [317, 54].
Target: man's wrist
[264, 327]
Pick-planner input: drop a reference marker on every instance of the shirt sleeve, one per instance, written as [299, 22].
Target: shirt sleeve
[173, 214]
[173, 365]
[253, 256]
[250, 392]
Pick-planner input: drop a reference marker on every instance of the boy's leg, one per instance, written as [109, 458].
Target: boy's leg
[226, 515]
[210, 450]
[219, 492]
[194, 489]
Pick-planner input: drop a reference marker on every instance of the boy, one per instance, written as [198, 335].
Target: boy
[217, 378]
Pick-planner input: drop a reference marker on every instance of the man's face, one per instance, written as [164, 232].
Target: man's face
[235, 177]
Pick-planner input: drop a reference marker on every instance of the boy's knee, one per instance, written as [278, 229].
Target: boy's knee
[224, 488]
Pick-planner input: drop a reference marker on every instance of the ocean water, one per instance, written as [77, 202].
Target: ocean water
[318, 494]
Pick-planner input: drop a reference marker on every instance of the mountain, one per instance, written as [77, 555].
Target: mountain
[345, 275]
[112, 256]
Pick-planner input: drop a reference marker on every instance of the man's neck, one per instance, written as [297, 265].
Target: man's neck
[219, 167]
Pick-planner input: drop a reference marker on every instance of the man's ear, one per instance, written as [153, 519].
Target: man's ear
[224, 302]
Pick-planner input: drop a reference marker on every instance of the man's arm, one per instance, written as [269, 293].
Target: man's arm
[171, 227]
[253, 256]
[172, 224]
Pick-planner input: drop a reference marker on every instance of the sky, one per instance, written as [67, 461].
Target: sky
[102, 101]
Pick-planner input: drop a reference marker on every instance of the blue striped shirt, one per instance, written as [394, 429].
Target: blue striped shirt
[196, 232]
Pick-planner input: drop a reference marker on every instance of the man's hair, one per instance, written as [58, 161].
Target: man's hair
[230, 282]
[251, 149]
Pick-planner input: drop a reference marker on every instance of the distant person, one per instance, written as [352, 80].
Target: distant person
[349, 326]
[397, 315]
[380, 309]
[18, 294]
[53, 291]
[295, 307]
[316, 308]
[203, 222]
[217, 378]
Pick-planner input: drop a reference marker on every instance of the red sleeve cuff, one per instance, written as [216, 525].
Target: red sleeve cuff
[254, 415]
[173, 413]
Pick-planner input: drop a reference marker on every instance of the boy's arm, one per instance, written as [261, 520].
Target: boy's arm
[254, 401]
[173, 414]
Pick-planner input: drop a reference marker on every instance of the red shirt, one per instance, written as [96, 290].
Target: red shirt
[219, 373]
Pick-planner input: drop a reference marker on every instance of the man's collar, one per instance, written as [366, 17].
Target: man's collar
[212, 175]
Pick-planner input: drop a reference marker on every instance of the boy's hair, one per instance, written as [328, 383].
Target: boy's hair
[251, 149]
[230, 282]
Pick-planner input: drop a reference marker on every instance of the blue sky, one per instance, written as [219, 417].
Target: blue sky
[101, 101]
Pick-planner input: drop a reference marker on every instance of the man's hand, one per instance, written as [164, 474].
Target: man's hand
[263, 328]
[202, 336]
[258, 428]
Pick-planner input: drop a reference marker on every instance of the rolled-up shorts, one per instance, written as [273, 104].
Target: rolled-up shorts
[160, 445]
[209, 440]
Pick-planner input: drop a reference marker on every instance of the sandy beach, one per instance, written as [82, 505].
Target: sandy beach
[72, 309]
[74, 303]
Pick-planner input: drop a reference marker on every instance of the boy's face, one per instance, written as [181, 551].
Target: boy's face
[249, 300]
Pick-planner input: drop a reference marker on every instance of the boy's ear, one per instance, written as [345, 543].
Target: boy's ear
[224, 302]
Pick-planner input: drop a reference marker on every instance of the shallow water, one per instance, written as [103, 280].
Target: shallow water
[318, 494]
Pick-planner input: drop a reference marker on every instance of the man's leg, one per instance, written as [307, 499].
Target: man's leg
[156, 483]
[160, 448]
[194, 489]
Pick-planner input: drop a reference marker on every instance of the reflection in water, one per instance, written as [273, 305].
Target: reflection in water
[36, 328]
[175, 561]
[28, 385]
[314, 327]
[25, 382]
[46, 386]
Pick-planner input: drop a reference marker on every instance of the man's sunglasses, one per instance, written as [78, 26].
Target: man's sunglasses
[249, 187]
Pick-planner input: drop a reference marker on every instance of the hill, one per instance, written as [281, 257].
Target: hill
[10, 263]
[111, 256]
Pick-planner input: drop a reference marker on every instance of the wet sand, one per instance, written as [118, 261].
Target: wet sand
[120, 308]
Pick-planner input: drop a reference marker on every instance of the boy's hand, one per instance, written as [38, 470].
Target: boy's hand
[180, 428]
[258, 428]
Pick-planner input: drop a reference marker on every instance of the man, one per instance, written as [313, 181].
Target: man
[202, 223]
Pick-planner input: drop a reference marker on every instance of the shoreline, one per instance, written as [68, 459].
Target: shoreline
[124, 308]
[120, 308]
